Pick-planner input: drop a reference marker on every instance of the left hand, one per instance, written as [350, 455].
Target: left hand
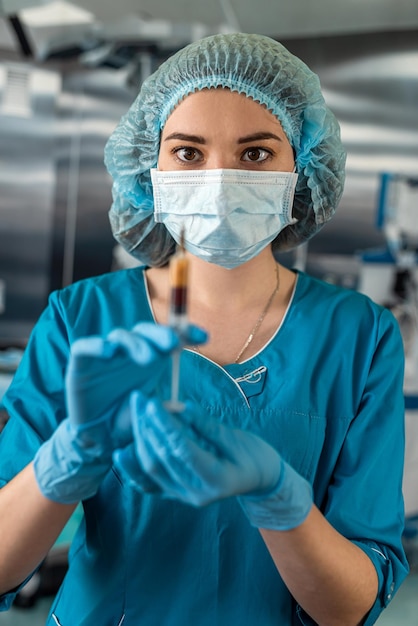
[197, 460]
[194, 458]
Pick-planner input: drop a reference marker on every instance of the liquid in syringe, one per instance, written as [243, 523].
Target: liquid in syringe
[178, 271]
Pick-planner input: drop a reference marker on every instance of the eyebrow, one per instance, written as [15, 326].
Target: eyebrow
[185, 137]
[201, 140]
[258, 137]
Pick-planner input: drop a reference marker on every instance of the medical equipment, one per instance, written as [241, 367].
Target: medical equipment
[177, 317]
[390, 277]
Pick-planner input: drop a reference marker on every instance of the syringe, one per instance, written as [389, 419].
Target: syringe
[177, 317]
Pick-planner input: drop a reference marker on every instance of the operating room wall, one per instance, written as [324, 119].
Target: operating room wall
[55, 192]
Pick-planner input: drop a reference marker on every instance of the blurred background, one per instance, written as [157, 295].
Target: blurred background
[69, 70]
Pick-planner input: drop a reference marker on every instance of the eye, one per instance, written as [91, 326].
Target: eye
[187, 154]
[256, 155]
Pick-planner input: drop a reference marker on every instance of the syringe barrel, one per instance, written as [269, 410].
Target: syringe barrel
[178, 295]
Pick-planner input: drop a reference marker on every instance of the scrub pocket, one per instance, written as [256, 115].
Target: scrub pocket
[298, 437]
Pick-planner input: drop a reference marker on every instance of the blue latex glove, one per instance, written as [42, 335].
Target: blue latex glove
[196, 459]
[101, 374]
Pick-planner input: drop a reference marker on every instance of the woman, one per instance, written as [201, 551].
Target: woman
[274, 496]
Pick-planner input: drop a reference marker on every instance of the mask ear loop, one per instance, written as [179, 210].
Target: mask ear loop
[295, 219]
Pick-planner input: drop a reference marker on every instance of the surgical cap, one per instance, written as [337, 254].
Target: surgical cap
[260, 68]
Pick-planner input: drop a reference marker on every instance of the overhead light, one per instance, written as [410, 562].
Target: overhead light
[57, 13]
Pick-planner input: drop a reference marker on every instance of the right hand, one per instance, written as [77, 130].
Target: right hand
[101, 374]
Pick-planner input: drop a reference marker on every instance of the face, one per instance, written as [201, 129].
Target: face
[218, 128]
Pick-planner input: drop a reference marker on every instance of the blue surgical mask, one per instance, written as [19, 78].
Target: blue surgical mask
[228, 216]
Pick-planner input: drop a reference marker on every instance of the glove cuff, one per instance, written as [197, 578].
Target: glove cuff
[67, 472]
[283, 508]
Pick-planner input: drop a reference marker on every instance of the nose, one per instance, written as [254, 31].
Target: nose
[220, 160]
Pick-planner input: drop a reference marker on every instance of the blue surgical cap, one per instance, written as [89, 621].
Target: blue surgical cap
[260, 68]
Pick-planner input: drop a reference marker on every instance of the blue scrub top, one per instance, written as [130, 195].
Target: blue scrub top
[326, 392]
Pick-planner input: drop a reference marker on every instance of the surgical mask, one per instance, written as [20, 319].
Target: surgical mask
[227, 216]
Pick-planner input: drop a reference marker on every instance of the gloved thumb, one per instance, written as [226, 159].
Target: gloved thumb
[130, 472]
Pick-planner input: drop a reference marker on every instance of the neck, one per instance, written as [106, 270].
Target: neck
[246, 285]
[240, 308]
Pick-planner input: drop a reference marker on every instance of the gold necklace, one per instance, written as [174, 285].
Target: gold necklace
[259, 320]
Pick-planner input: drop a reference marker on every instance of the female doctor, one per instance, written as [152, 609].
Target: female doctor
[274, 496]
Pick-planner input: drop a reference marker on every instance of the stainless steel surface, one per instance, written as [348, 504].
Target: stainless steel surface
[54, 191]
[27, 183]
